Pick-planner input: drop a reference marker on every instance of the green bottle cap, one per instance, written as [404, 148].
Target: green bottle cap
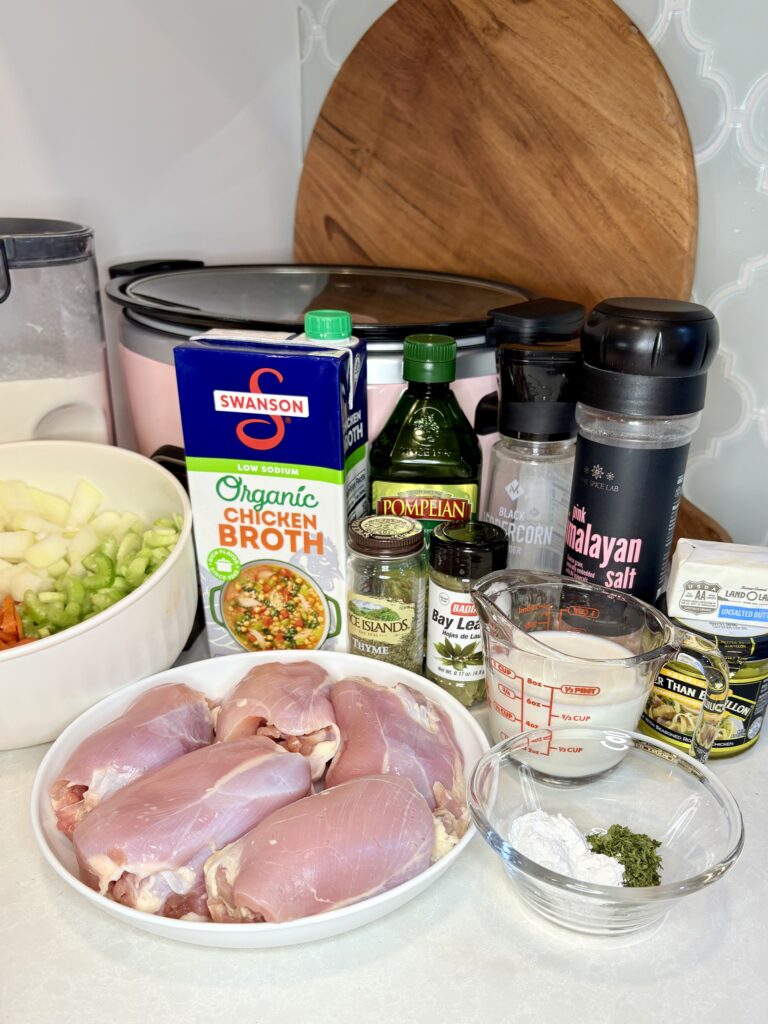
[328, 325]
[429, 358]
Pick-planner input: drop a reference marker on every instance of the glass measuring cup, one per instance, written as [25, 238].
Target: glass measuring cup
[559, 652]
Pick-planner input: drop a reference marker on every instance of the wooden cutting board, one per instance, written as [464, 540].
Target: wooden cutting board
[538, 142]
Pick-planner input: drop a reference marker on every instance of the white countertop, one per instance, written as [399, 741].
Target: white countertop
[465, 950]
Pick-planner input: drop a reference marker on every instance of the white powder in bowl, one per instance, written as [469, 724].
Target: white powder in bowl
[554, 842]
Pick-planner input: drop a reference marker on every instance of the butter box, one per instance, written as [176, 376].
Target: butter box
[719, 582]
[276, 450]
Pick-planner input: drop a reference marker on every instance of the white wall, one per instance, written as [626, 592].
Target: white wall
[172, 127]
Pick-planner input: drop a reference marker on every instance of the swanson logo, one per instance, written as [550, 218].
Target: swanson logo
[277, 409]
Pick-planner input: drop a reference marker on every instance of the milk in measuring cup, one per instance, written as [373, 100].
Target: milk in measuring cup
[528, 690]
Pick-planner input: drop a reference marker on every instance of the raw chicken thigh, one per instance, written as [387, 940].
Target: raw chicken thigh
[326, 851]
[158, 727]
[147, 844]
[287, 701]
[399, 731]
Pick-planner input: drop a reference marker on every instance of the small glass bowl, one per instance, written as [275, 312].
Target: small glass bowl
[598, 778]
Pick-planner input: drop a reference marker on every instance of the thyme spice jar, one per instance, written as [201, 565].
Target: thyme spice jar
[386, 572]
[679, 689]
[459, 554]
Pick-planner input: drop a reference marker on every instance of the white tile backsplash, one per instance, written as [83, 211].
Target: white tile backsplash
[716, 56]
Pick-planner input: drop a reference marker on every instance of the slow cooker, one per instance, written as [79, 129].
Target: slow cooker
[166, 302]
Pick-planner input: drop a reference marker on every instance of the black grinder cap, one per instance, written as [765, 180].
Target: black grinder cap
[538, 361]
[468, 549]
[647, 357]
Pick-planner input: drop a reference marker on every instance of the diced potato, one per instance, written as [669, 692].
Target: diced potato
[14, 544]
[23, 520]
[5, 579]
[128, 521]
[25, 579]
[46, 552]
[50, 506]
[4, 518]
[105, 522]
[14, 494]
[83, 543]
[85, 502]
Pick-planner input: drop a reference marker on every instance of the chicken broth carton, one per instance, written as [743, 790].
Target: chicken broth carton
[276, 449]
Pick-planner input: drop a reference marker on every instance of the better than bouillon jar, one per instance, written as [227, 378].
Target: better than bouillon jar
[677, 694]
[386, 590]
[459, 555]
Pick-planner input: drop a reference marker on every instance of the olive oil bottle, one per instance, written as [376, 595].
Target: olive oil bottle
[425, 464]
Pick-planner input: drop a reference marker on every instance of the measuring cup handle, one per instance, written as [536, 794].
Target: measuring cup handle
[713, 667]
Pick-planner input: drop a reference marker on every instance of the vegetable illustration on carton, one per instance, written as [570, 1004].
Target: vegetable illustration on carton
[276, 442]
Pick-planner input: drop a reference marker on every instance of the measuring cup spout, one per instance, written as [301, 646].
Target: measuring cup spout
[493, 621]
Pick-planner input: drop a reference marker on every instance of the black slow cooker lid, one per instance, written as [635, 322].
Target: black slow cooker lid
[276, 296]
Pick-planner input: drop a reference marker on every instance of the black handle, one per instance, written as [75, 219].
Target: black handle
[487, 415]
[5, 274]
[141, 268]
[171, 457]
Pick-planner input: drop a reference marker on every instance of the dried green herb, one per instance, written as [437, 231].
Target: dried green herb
[458, 657]
[635, 851]
[466, 693]
[400, 581]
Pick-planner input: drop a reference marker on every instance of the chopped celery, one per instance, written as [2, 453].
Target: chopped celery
[108, 547]
[63, 616]
[160, 538]
[71, 587]
[128, 547]
[104, 598]
[100, 571]
[137, 570]
[78, 589]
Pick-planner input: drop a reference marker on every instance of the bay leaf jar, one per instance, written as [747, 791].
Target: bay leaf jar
[386, 573]
[460, 553]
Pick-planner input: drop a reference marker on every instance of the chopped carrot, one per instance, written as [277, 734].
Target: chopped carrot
[11, 628]
[8, 624]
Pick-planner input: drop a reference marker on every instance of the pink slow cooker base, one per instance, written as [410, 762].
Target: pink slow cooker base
[154, 405]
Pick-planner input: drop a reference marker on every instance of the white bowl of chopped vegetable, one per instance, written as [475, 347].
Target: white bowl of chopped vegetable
[98, 585]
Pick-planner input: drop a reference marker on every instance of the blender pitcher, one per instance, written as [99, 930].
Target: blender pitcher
[561, 652]
[53, 372]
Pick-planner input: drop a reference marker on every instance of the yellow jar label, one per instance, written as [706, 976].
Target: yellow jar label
[376, 625]
[675, 703]
[429, 503]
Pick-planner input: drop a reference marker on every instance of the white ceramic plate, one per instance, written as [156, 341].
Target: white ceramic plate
[214, 678]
